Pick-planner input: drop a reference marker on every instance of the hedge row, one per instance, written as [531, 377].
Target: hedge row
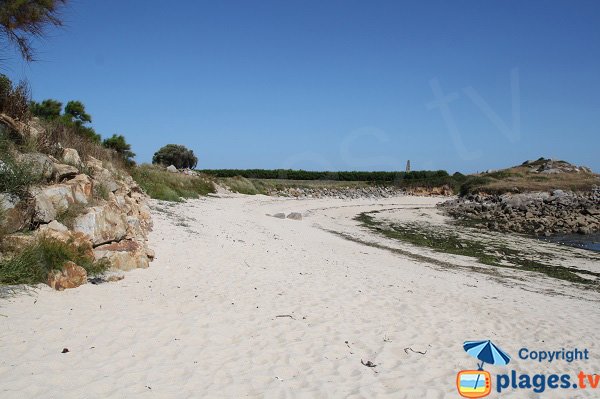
[289, 174]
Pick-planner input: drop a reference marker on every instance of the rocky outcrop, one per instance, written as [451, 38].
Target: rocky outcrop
[339, 193]
[102, 224]
[40, 164]
[70, 156]
[61, 171]
[16, 214]
[91, 204]
[50, 201]
[125, 255]
[539, 213]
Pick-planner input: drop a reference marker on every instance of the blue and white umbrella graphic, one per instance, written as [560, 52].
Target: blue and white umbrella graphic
[487, 352]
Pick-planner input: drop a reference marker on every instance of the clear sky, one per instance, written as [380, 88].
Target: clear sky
[337, 85]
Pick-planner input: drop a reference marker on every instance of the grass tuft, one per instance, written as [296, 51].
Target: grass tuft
[34, 262]
[15, 177]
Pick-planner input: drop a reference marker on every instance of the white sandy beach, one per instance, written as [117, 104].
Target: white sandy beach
[241, 304]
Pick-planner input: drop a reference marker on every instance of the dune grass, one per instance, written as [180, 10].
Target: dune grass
[34, 262]
[242, 185]
[161, 184]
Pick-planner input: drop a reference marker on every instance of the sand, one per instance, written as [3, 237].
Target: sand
[239, 304]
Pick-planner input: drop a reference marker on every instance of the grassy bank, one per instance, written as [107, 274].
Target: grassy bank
[160, 184]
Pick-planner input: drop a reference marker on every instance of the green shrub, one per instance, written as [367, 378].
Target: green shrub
[161, 184]
[48, 109]
[67, 217]
[100, 191]
[121, 147]
[14, 100]
[32, 264]
[176, 155]
[289, 174]
[15, 177]
[472, 184]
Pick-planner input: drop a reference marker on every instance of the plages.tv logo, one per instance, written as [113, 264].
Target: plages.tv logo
[478, 383]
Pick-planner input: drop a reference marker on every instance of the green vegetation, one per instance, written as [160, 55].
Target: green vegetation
[34, 262]
[48, 109]
[15, 177]
[161, 184]
[14, 99]
[74, 117]
[497, 182]
[121, 147]
[67, 217]
[263, 180]
[100, 191]
[289, 174]
[492, 254]
[176, 155]
[527, 177]
[242, 185]
[20, 21]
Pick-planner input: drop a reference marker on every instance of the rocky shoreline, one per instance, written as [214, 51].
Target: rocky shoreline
[370, 192]
[89, 203]
[536, 213]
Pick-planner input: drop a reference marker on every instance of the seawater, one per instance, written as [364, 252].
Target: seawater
[585, 241]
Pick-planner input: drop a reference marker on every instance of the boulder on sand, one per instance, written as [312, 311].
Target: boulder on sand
[70, 276]
[295, 216]
[125, 255]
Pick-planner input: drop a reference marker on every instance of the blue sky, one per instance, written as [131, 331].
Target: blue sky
[337, 85]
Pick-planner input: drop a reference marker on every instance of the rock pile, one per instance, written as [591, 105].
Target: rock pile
[87, 202]
[370, 192]
[552, 166]
[539, 213]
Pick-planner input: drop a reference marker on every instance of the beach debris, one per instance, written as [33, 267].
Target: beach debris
[65, 350]
[106, 279]
[414, 351]
[368, 363]
[285, 315]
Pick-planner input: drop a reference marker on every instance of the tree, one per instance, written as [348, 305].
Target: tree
[48, 109]
[76, 110]
[121, 147]
[76, 117]
[177, 155]
[23, 20]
